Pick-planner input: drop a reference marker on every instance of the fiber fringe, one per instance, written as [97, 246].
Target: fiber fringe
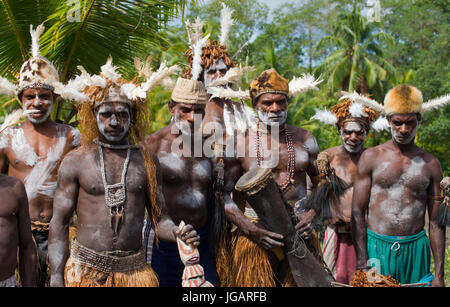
[79, 275]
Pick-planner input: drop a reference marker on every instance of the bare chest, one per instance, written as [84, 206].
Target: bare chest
[116, 170]
[177, 169]
[27, 149]
[408, 173]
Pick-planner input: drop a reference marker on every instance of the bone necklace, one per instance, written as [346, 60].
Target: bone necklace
[291, 156]
[115, 194]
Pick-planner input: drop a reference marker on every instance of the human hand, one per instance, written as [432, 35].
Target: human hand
[305, 224]
[187, 234]
[265, 238]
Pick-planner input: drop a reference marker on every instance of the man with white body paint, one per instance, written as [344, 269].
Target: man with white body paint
[186, 180]
[353, 123]
[290, 152]
[396, 183]
[33, 151]
[110, 181]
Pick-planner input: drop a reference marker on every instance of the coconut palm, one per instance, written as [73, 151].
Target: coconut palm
[357, 61]
[83, 32]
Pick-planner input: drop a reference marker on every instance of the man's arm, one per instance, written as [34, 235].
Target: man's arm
[360, 203]
[27, 248]
[64, 205]
[306, 218]
[437, 233]
[166, 229]
[263, 237]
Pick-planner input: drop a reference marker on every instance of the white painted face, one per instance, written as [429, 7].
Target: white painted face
[183, 126]
[272, 119]
[402, 139]
[37, 105]
[353, 136]
[113, 121]
[216, 70]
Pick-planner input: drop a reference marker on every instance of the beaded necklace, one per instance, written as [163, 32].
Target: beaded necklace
[115, 194]
[291, 156]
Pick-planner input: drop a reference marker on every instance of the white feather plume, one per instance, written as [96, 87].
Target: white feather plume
[86, 79]
[70, 91]
[240, 119]
[357, 110]
[197, 57]
[11, 119]
[133, 92]
[194, 30]
[109, 71]
[228, 118]
[355, 97]
[226, 22]
[380, 124]
[35, 39]
[326, 117]
[300, 85]
[250, 116]
[233, 75]
[220, 92]
[436, 103]
[7, 88]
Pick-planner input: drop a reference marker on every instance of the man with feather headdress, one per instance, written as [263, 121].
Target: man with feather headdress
[256, 256]
[110, 181]
[33, 151]
[340, 164]
[396, 183]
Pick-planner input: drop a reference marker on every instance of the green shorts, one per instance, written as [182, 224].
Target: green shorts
[405, 258]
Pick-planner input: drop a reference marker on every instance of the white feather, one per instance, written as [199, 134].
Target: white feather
[325, 117]
[70, 91]
[228, 118]
[220, 92]
[355, 97]
[11, 119]
[7, 88]
[357, 110]
[380, 124]
[241, 122]
[250, 116]
[436, 103]
[197, 58]
[109, 71]
[35, 39]
[226, 22]
[305, 83]
[233, 75]
[134, 92]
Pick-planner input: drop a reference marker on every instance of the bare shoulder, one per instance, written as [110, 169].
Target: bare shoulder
[433, 163]
[72, 134]
[75, 159]
[305, 138]
[154, 140]
[12, 185]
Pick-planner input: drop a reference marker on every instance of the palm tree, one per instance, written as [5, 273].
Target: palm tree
[83, 32]
[357, 61]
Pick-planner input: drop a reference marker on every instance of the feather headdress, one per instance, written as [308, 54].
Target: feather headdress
[38, 72]
[400, 99]
[211, 51]
[226, 22]
[347, 110]
[268, 81]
